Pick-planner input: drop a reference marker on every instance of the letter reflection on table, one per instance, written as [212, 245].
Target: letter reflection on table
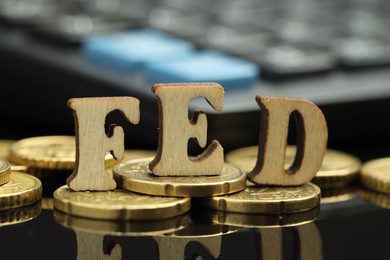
[307, 243]
[174, 248]
[90, 246]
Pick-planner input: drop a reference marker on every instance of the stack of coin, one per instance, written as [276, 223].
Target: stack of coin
[134, 175]
[49, 158]
[147, 214]
[17, 189]
[338, 169]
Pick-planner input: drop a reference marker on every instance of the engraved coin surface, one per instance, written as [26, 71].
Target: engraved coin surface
[267, 200]
[375, 174]
[337, 170]
[5, 171]
[135, 176]
[22, 189]
[118, 205]
[122, 228]
[50, 152]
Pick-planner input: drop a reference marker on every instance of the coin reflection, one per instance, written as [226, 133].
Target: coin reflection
[257, 220]
[379, 199]
[173, 245]
[337, 195]
[90, 246]
[19, 215]
[121, 228]
[307, 242]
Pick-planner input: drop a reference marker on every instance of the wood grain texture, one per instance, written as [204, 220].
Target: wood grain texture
[92, 142]
[312, 136]
[175, 130]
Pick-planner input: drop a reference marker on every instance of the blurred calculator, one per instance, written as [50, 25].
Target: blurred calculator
[334, 53]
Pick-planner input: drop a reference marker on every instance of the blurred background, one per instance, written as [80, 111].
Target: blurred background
[333, 52]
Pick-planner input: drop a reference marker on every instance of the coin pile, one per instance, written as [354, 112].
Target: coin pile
[336, 177]
[20, 195]
[338, 169]
[49, 158]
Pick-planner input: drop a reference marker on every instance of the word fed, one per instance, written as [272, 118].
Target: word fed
[175, 129]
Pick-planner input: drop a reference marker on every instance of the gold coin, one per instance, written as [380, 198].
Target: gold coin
[375, 174]
[5, 171]
[50, 152]
[118, 205]
[22, 189]
[258, 220]
[5, 145]
[135, 176]
[122, 228]
[337, 170]
[267, 200]
[20, 214]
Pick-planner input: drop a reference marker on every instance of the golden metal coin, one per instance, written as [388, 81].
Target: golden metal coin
[375, 174]
[5, 146]
[5, 172]
[20, 214]
[122, 228]
[22, 189]
[118, 205]
[258, 220]
[49, 152]
[337, 170]
[267, 200]
[135, 176]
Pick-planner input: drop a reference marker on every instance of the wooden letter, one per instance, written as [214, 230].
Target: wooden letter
[92, 143]
[312, 136]
[175, 130]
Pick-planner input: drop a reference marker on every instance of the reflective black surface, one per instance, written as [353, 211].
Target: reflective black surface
[347, 227]
[344, 70]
